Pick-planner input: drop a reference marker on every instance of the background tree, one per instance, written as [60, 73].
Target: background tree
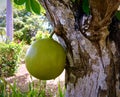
[9, 21]
[92, 66]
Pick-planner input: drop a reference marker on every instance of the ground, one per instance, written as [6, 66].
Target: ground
[22, 78]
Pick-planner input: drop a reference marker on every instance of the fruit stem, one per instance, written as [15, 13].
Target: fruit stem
[51, 34]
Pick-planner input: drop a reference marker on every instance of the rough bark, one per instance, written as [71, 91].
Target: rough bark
[91, 61]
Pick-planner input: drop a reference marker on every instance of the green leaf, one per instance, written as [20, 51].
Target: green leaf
[85, 6]
[19, 2]
[42, 10]
[117, 14]
[28, 5]
[73, 1]
[35, 6]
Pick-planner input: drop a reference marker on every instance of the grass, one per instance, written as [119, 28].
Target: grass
[35, 90]
[61, 91]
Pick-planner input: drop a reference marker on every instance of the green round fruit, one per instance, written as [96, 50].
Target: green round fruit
[45, 59]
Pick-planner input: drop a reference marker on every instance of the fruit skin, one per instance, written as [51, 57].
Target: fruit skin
[45, 59]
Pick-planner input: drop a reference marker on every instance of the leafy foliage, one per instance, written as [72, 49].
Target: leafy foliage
[9, 55]
[25, 34]
[27, 5]
[35, 6]
[19, 2]
[27, 24]
[40, 35]
[31, 5]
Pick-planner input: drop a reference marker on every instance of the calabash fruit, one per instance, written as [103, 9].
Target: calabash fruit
[45, 59]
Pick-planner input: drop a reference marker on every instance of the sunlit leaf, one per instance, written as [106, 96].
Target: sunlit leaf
[42, 10]
[35, 6]
[21, 7]
[28, 5]
[19, 2]
[31, 6]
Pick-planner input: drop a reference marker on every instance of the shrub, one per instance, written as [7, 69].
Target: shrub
[27, 24]
[18, 24]
[40, 35]
[25, 34]
[9, 55]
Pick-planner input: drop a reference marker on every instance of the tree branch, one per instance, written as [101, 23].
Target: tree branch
[102, 15]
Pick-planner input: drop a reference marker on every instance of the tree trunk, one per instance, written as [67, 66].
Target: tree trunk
[9, 21]
[91, 67]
